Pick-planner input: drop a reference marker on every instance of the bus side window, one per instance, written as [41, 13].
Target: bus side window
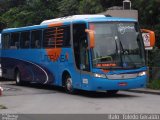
[53, 37]
[48, 41]
[66, 36]
[5, 41]
[14, 44]
[36, 38]
[25, 39]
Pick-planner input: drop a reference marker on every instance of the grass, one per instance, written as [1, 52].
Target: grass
[3, 107]
[154, 84]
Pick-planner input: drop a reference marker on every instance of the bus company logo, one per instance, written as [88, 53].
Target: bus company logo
[122, 28]
[54, 54]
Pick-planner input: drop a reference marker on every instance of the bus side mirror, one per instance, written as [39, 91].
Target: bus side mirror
[91, 38]
[148, 38]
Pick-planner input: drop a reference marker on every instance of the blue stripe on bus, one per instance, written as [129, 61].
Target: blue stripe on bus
[24, 28]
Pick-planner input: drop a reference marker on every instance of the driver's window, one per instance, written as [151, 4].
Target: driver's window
[80, 46]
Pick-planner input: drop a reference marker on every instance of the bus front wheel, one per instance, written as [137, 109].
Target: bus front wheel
[69, 86]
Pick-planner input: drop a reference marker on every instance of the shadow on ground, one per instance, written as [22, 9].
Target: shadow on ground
[55, 89]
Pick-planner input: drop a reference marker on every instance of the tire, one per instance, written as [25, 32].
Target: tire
[68, 85]
[18, 78]
[112, 92]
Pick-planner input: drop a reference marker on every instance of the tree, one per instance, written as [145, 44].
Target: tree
[90, 7]
[5, 5]
[68, 7]
[2, 26]
[109, 3]
[148, 11]
[30, 13]
[41, 10]
[11, 17]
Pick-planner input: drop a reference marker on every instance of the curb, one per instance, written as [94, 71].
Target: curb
[146, 91]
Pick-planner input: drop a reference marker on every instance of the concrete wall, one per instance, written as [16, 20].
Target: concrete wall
[122, 13]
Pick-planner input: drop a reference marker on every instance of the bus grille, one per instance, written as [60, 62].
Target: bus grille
[122, 76]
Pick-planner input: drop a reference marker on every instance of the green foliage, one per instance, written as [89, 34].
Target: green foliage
[109, 3]
[40, 10]
[3, 107]
[149, 18]
[11, 16]
[155, 84]
[90, 7]
[68, 7]
[34, 11]
[30, 13]
[148, 11]
[154, 57]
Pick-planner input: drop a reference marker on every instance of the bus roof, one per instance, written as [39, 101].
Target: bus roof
[68, 20]
[24, 28]
[87, 18]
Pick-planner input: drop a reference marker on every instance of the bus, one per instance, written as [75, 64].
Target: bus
[86, 52]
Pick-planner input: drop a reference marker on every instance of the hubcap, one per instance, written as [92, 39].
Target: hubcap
[18, 78]
[69, 84]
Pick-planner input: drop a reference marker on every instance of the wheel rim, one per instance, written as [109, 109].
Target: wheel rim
[18, 78]
[69, 84]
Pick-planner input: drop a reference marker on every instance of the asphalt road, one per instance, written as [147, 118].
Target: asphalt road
[36, 99]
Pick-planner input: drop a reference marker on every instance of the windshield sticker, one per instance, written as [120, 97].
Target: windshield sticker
[125, 28]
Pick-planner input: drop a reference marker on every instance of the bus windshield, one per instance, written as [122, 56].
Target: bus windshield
[117, 45]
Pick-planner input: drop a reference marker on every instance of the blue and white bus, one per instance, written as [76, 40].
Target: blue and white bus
[87, 52]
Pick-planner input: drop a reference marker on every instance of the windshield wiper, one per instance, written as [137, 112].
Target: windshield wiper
[125, 53]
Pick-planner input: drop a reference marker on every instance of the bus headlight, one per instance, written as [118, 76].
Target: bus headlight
[142, 73]
[99, 75]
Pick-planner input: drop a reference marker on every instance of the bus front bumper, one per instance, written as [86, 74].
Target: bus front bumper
[102, 84]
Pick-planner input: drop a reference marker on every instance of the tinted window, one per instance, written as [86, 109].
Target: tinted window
[49, 38]
[57, 37]
[66, 36]
[25, 39]
[80, 44]
[14, 44]
[5, 41]
[36, 38]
